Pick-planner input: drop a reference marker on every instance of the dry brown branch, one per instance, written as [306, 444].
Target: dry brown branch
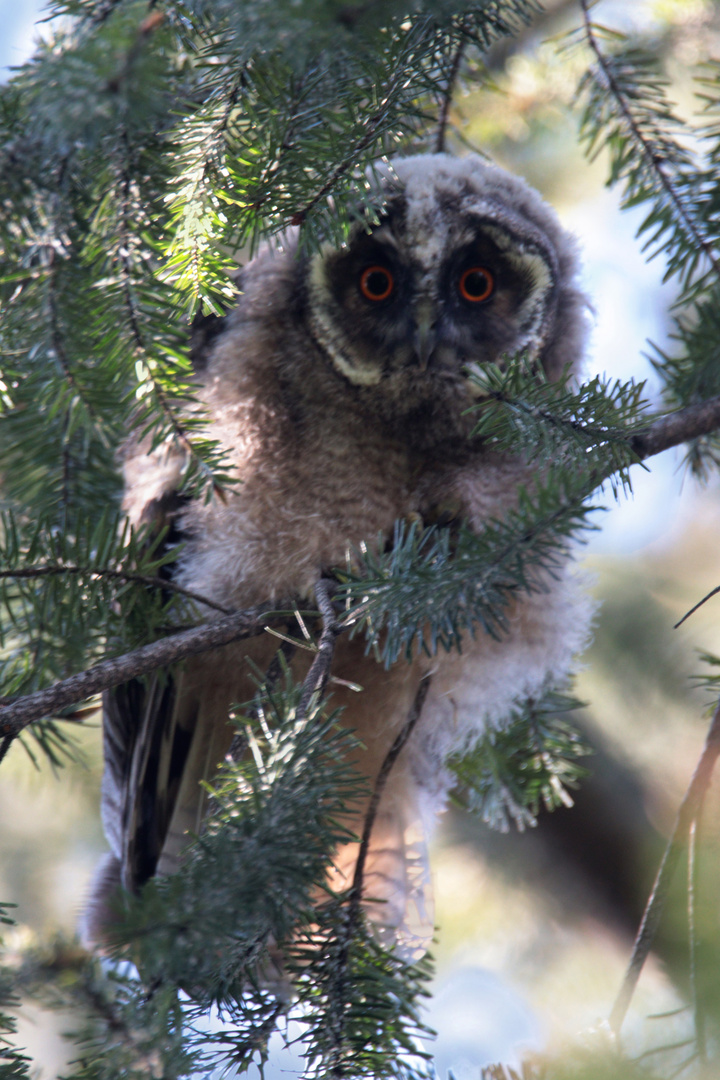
[687, 815]
[317, 677]
[16, 715]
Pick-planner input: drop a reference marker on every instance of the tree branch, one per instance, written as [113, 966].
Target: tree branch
[678, 427]
[317, 677]
[448, 92]
[654, 162]
[689, 810]
[349, 162]
[355, 894]
[661, 434]
[16, 715]
[122, 575]
[380, 781]
[694, 608]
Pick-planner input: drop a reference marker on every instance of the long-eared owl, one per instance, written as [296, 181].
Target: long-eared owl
[339, 387]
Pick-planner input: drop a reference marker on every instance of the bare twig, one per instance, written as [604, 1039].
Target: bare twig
[687, 814]
[448, 92]
[317, 677]
[378, 788]
[653, 160]
[713, 592]
[355, 895]
[170, 650]
[121, 575]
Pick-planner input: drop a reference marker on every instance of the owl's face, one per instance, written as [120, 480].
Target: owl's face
[464, 267]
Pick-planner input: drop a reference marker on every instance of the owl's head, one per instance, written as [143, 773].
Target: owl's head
[467, 264]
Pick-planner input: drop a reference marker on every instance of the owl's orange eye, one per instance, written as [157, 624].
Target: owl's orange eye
[476, 284]
[376, 283]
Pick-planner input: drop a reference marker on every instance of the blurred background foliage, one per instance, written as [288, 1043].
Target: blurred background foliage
[535, 927]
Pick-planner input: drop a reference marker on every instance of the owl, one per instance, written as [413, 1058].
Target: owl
[339, 388]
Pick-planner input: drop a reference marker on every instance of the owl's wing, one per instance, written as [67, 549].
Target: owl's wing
[146, 735]
[140, 778]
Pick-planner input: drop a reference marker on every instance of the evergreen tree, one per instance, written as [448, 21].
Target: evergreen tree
[142, 154]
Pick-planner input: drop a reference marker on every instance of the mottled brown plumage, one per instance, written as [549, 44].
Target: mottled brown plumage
[339, 389]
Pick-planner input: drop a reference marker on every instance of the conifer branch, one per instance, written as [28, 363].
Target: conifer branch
[678, 427]
[286, 144]
[356, 151]
[56, 338]
[25, 572]
[178, 429]
[663, 433]
[653, 161]
[103, 13]
[58, 346]
[690, 808]
[17, 714]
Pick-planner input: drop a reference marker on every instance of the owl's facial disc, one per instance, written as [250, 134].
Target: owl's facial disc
[388, 307]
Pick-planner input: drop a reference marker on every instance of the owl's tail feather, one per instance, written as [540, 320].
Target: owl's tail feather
[100, 911]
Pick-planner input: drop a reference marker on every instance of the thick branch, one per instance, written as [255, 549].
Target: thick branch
[170, 650]
[678, 427]
[687, 814]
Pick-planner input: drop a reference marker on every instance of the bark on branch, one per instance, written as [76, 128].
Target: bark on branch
[676, 428]
[16, 715]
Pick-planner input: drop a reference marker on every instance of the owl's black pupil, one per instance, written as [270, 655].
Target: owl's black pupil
[475, 283]
[377, 282]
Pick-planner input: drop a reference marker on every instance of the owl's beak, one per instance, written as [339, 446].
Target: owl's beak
[424, 340]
